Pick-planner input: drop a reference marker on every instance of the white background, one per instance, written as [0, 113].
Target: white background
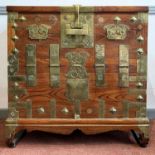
[151, 38]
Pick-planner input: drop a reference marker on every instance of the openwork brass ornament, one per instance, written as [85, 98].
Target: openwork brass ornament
[116, 31]
[76, 28]
[77, 82]
[123, 66]
[77, 61]
[38, 32]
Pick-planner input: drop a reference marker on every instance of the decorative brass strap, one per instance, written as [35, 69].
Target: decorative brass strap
[53, 107]
[101, 108]
[123, 66]
[31, 64]
[54, 65]
[99, 64]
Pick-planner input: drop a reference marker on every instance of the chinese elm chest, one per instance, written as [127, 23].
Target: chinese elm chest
[77, 68]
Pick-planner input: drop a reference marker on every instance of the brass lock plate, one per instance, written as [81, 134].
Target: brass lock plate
[77, 28]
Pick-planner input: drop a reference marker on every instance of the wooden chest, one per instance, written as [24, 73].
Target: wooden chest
[77, 68]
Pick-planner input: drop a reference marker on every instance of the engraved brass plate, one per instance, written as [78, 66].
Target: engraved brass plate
[77, 82]
[76, 28]
[38, 31]
[54, 65]
[31, 64]
[142, 65]
[53, 107]
[99, 64]
[123, 66]
[139, 106]
[101, 108]
[116, 31]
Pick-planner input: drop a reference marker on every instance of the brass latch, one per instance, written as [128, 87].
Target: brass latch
[76, 27]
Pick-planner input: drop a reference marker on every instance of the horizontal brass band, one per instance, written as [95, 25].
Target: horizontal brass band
[137, 78]
[71, 9]
[137, 91]
[18, 78]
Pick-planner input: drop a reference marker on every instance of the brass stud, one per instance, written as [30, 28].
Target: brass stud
[117, 19]
[16, 97]
[65, 110]
[133, 19]
[15, 50]
[41, 110]
[14, 25]
[14, 38]
[140, 97]
[140, 51]
[140, 38]
[22, 18]
[113, 110]
[89, 111]
[16, 84]
[139, 84]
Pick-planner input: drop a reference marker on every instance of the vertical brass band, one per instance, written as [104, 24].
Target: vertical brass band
[77, 109]
[101, 108]
[142, 65]
[31, 64]
[54, 65]
[53, 107]
[99, 64]
[123, 66]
